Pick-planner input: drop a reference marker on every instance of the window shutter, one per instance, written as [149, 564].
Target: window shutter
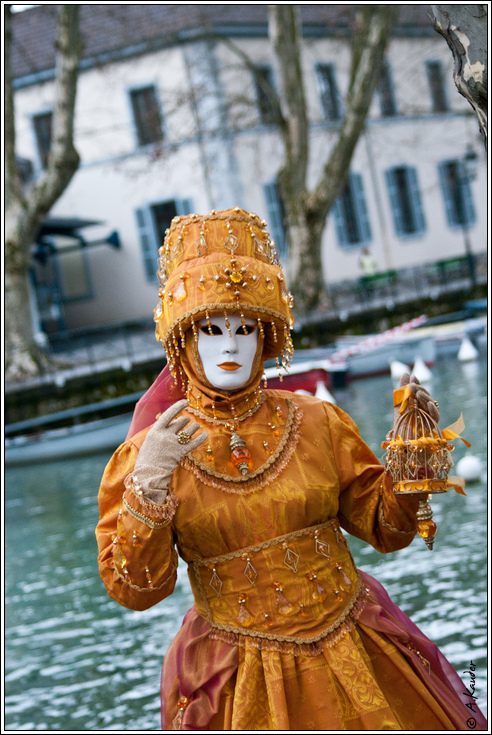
[264, 84]
[387, 96]
[448, 200]
[275, 218]
[416, 200]
[147, 241]
[184, 206]
[340, 225]
[43, 129]
[328, 91]
[395, 202]
[466, 192]
[361, 208]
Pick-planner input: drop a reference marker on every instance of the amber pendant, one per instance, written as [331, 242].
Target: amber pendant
[245, 617]
[426, 527]
[283, 606]
[240, 456]
[318, 592]
[346, 582]
[182, 705]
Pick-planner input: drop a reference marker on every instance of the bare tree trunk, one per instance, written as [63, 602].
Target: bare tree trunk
[465, 28]
[307, 211]
[24, 212]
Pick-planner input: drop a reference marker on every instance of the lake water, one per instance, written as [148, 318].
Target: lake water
[77, 661]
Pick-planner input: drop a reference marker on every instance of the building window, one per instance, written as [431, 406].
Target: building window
[437, 86]
[328, 92]
[152, 223]
[60, 274]
[386, 90]
[276, 218]
[147, 115]
[42, 130]
[406, 204]
[455, 186]
[265, 95]
[351, 216]
[72, 269]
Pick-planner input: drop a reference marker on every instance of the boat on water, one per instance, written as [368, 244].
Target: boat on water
[377, 361]
[448, 336]
[309, 368]
[77, 440]
[429, 340]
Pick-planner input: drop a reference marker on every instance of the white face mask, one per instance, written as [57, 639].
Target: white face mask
[227, 359]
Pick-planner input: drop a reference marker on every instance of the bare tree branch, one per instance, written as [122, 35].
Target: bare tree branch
[24, 212]
[14, 190]
[285, 34]
[248, 63]
[307, 210]
[377, 24]
[465, 28]
[63, 159]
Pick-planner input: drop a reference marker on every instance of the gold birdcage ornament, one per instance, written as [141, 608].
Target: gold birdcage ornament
[418, 459]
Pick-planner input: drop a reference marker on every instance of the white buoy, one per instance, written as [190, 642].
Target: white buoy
[421, 371]
[323, 393]
[469, 467]
[398, 369]
[470, 369]
[467, 351]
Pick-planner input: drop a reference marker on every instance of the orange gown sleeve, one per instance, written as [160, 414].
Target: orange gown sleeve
[137, 557]
[368, 508]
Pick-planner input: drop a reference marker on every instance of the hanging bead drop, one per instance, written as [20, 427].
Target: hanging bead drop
[240, 455]
[244, 618]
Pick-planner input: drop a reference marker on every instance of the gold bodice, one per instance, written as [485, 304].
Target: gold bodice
[293, 590]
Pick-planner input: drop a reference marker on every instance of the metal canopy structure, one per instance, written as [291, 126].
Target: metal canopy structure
[67, 227]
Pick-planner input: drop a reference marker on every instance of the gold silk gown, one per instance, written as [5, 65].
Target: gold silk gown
[285, 633]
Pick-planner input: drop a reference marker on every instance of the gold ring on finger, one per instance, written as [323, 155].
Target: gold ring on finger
[183, 437]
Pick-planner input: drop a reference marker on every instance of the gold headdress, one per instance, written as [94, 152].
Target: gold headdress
[221, 263]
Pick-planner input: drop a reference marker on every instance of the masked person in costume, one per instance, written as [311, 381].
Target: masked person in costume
[252, 487]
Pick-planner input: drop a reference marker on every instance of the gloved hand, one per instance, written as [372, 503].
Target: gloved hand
[163, 449]
[420, 395]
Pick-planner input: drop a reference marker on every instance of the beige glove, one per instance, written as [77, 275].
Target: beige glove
[163, 449]
[421, 395]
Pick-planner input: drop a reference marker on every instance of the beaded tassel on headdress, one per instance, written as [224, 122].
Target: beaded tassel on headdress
[221, 263]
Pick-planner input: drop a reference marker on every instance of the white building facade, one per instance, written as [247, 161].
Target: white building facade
[170, 125]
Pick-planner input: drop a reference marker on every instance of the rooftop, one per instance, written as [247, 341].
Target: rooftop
[121, 31]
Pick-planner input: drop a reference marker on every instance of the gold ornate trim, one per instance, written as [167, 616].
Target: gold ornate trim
[333, 523]
[328, 638]
[269, 641]
[387, 525]
[223, 422]
[126, 580]
[234, 217]
[276, 641]
[265, 474]
[143, 519]
[159, 511]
